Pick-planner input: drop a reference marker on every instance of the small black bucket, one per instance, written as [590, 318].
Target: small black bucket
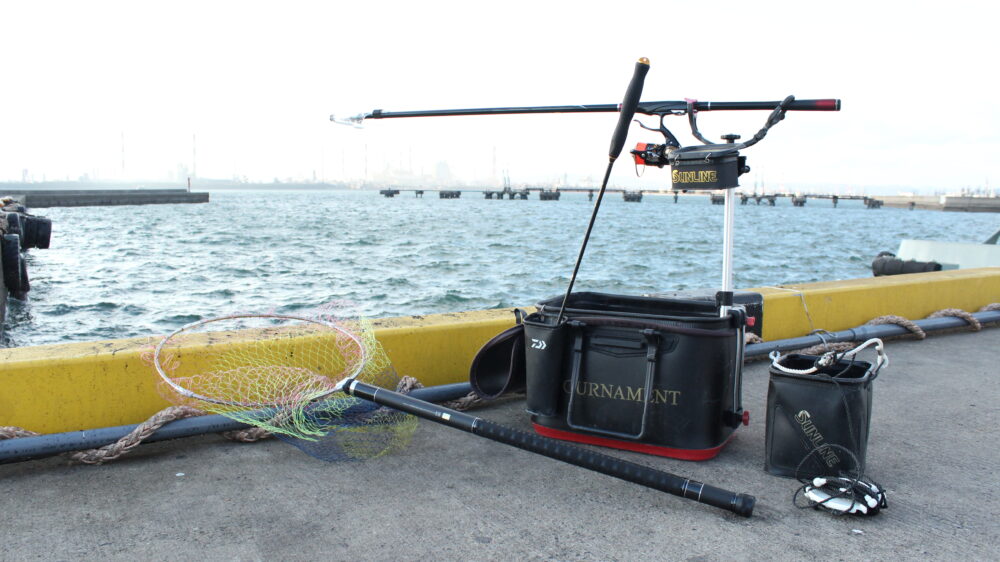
[817, 411]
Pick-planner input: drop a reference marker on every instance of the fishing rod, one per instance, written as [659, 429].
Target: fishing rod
[645, 108]
[709, 166]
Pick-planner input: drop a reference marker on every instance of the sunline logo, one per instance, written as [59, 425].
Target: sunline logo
[814, 436]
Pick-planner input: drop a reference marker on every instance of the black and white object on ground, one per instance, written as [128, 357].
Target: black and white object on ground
[842, 496]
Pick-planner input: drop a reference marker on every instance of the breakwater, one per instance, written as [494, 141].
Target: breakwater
[945, 203]
[937, 203]
[107, 197]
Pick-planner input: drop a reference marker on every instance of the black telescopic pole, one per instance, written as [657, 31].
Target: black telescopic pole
[740, 504]
[628, 106]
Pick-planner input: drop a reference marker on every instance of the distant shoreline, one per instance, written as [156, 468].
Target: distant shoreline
[9, 188]
[199, 185]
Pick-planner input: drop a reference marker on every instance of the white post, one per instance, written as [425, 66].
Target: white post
[727, 247]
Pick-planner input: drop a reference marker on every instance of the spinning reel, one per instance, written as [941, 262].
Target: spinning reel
[709, 166]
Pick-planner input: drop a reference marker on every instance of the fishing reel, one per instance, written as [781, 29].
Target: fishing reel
[705, 167]
[655, 154]
[710, 166]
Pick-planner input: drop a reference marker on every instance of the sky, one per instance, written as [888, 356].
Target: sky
[215, 89]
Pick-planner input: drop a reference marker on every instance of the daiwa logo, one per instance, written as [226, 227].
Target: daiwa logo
[538, 344]
[816, 438]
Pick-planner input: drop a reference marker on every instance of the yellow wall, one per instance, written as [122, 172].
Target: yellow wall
[56, 388]
[69, 387]
[794, 310]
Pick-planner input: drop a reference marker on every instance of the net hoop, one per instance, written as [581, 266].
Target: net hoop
[362, 358]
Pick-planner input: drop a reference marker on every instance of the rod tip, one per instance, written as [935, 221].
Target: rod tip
[643, 60]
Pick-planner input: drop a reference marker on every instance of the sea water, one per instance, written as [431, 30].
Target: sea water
[115, 272]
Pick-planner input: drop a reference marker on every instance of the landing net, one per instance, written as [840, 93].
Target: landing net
[280, 372]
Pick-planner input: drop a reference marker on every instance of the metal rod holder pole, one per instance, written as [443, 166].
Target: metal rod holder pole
[727, 247]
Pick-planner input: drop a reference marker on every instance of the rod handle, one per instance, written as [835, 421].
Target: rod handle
[629, 104]
[815, 105]
[830, 104]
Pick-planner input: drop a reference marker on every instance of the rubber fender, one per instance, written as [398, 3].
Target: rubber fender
[25, 283]
[22, 295]
[13, 223]
[43, 232]
[10, 253]
[29, 229]
[886, 265]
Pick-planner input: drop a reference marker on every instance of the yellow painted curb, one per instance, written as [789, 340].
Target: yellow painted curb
[795, 310]
[69, 387]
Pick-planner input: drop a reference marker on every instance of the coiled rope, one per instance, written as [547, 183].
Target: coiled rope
[114, 450]
[915, 331]
[147, 428]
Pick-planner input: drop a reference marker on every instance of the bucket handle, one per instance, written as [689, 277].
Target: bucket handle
[652, 349]
[831, 357]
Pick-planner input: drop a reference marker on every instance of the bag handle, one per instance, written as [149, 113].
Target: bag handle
[832, 357]
[647, 325]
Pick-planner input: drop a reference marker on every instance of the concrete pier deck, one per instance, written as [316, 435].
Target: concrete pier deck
[453, 496]
[105, 197]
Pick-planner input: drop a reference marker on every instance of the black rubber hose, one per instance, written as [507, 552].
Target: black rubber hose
[867, 332]
[24, 448]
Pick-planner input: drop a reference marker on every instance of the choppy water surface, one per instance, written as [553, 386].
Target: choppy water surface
[115, 272]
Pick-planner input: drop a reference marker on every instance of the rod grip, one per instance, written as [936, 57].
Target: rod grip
[629, 104]
[740, 504]
[816, 105]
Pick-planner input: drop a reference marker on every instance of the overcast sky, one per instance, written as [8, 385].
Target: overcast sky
[245, 89]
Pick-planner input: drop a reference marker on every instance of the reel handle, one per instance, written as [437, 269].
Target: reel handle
[628, 107]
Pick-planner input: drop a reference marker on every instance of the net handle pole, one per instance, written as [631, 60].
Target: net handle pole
[740, 504]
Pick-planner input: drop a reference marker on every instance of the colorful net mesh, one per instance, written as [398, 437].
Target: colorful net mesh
[280, 372]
